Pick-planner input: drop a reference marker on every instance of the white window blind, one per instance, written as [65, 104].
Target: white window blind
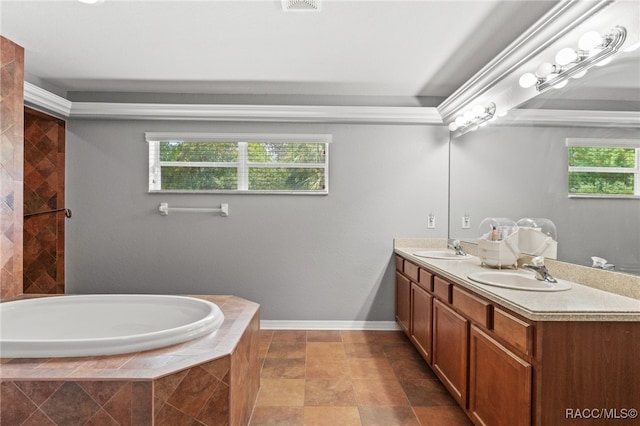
[238, 163]
[603, 167]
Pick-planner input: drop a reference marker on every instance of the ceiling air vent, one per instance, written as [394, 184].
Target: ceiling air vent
[300, 5]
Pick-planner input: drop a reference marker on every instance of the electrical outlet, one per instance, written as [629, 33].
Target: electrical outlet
[466, 221]
[431, 221]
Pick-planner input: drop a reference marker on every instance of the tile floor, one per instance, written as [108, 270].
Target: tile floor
[344, 378]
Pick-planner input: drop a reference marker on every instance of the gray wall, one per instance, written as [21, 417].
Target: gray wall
[300, 257]
[518, 172]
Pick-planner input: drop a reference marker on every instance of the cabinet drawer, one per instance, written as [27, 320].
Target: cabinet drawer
[411, 270]
[399, 264]
[425, 279]
[478, 310]
[442, 289]
[513, 331]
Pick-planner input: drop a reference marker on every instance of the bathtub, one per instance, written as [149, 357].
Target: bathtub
[93, 325]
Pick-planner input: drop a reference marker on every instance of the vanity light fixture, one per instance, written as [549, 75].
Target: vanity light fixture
[593, 49]
[470, 120]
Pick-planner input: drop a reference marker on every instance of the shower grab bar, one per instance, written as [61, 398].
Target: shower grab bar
[164, 209]
[67, 212]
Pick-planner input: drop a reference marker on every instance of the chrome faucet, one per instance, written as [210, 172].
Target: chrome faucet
[455, 245]
[542, 274]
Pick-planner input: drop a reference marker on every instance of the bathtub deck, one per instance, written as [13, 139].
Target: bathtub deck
[205, 379]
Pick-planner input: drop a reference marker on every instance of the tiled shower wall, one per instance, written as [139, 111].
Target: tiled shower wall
[44, 170]
[11, 173]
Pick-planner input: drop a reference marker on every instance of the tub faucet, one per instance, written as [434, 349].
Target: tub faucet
[542, 274]
[455, 245]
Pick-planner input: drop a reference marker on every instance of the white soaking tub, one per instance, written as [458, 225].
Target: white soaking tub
[103, 324]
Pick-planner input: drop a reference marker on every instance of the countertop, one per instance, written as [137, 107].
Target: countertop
[580, 303]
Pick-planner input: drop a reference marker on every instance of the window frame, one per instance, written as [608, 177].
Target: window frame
[606, 143]
[243, 164]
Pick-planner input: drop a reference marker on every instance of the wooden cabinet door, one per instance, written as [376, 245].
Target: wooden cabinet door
[403, 301]
[450, 348]
[499, 383]
[421, 302]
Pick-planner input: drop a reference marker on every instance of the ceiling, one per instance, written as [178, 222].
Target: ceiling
[416, 48]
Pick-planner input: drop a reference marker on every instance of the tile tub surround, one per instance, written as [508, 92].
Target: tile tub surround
[599, 296]
[11, 172]
[207, 381]
[44, 184]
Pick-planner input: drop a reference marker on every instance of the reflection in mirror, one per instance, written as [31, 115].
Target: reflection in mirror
[520, 169]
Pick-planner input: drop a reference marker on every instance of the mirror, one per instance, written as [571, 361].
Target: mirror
[520, 169]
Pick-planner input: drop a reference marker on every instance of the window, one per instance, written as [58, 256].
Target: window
[238, 163]
[604, 168]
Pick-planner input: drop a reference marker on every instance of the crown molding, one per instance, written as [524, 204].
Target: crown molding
[44, 100]
[41, 99]
[571, 118]
[260, 113]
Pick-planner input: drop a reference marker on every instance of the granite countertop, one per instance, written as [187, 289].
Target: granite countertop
[580, 303]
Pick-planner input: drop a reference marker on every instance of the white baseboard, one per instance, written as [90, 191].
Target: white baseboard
[328, 325]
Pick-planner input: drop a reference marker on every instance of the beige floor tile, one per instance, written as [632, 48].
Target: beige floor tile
[287, 350]
[324, 336]
[364, 350]
[331, 416]
[289, 336]
[322, 368]
[281, 392]
[379, 393]
[282, 368]
[439, 416]
[388, 416]
[371, 368]
[329, 392]
[325, 350]
[277, 416]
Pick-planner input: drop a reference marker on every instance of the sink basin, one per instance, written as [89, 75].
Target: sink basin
[517, 280]
[441, 254]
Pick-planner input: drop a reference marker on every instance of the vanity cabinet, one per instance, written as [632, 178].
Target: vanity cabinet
[421, 317]
[450, 341]
[499, 383]
[504, 369]
[483, 369]
[403, 301]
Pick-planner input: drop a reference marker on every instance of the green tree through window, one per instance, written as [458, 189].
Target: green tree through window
[249, 166]
[603, 170]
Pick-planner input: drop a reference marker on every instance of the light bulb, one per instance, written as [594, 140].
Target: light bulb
[560, 85]
[453, 126]
[544, 69]
[459, 121]
[566, 56]
[478, 110]
[528, 80]
[552, 76]
[590, 40]
[468, 115]
[484, 123]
